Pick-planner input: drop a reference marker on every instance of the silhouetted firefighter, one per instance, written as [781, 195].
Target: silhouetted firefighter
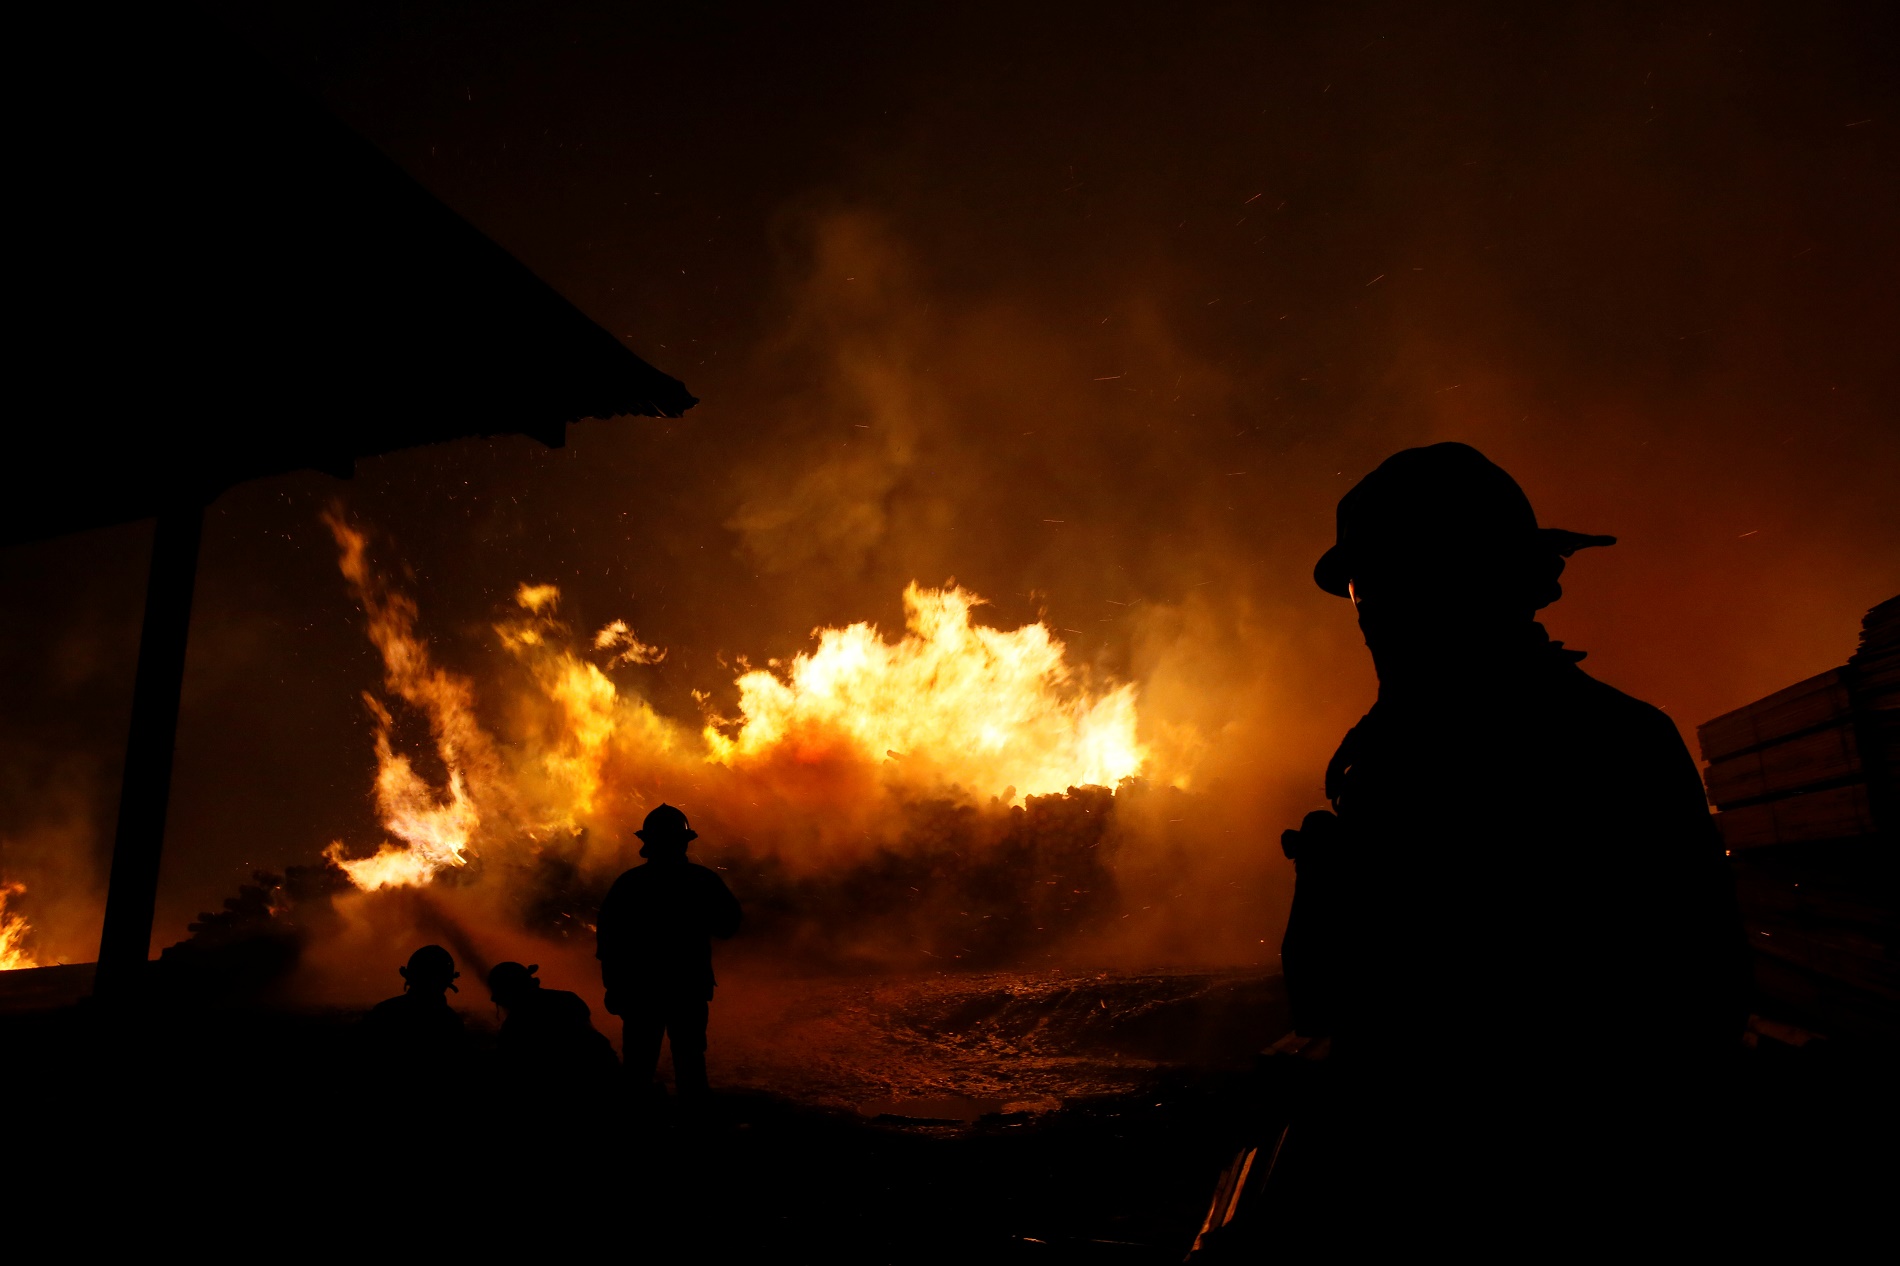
[1517, 926]
[655, 948]
[548, 1040]
[418, 1029]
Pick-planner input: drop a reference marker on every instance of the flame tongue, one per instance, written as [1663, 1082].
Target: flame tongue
[437, 831]
[435, 834]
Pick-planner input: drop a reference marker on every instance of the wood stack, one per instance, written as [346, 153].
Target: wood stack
[1876, 668]
[1807, 782]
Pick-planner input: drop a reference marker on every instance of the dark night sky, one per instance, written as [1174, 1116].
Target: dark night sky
[942, 278]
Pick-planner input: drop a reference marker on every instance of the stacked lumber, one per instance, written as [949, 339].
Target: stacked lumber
[1807, 786]
[1876, 681]
[1787, 768]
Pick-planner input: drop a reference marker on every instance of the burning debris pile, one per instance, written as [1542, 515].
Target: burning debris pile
[944, 797]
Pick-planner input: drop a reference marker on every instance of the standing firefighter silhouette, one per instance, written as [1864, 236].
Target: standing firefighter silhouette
[655, 950]
[1517, 925]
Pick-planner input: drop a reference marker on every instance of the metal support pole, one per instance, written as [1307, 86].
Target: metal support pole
[132, 894]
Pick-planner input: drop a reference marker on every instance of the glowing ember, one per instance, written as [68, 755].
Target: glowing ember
[995, 712]
[629, 649]
[13, 932]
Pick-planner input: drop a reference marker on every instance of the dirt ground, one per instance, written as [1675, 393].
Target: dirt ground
[199, 1128]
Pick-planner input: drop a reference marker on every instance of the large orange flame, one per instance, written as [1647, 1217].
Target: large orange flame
[949, 708]
[13, 932]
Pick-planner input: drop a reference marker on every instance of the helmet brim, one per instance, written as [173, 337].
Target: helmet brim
[1333, 572]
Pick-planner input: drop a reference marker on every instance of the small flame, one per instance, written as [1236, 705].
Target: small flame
[631, 650]
[537, 598]
[14, 928]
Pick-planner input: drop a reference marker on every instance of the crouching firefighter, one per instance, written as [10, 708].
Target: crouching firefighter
[655, 948]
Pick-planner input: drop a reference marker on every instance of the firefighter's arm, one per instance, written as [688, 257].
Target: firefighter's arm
[1308, 954]
[722, 909]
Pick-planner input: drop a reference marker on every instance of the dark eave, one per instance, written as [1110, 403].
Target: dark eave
[226, 283]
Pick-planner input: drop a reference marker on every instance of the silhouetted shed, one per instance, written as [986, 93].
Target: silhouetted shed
[223, 282]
